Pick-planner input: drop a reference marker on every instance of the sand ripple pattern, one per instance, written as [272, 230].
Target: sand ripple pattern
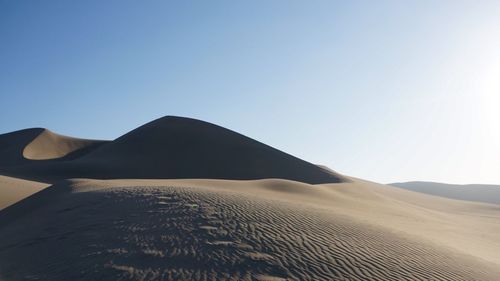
[178, 233]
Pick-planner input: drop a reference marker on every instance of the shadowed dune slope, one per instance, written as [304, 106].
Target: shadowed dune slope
[12, 146]
[177, 147]
[470, 192]
[245, 230]
[34, 145]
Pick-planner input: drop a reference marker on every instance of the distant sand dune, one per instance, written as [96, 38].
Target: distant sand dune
[24, 146]
[49, 145]
[470, 192]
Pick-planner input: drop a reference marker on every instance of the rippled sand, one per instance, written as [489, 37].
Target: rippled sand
[245, 230]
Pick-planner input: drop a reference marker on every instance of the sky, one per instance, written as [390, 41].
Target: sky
[387, 91]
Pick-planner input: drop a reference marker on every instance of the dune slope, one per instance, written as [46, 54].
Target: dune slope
[32, 146]
[13, 190]
[177, 147]
[243, 230]
[221, 206]
[49, 145]
[12, 146]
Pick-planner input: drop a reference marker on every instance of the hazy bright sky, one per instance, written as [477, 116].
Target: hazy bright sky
[382, 90]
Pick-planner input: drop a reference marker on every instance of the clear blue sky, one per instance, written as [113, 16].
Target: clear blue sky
[382, 90]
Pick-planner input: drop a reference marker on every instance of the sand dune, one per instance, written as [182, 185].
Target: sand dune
[245, 230]
[221, 206]
[470, 192]
[21, 147]
[177, 147]
[13, 190]
[49, 145]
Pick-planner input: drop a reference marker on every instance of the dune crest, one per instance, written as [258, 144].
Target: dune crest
[48, 145]
[172, 148]
[41, 146]
[12, 145]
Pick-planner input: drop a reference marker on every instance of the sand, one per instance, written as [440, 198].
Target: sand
[13, 190]
[246, 230]
[177, 147]
[39, 146]
[259, 214]
[48, 145]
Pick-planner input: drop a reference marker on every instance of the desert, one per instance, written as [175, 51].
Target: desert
[255, 140]
[183, 199]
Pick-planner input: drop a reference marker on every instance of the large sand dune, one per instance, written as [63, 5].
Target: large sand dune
[221, 206]
[176, 147]
[245, 230]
